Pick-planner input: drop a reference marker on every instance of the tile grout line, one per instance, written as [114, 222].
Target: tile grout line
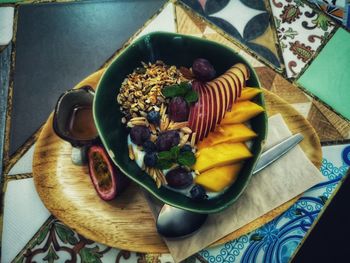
[31, 242]
[276, 39]
[315, 55]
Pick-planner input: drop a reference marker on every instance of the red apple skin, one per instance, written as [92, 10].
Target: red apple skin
[206, 113]
[218, 97]
[223, 89]
[227, 84]
[199, 121]
[197, 114]
[193, 109]
[238, 86]
[214, 107]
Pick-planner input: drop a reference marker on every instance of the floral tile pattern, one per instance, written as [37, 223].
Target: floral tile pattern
[337, 9]
[301, 31]
[246, 21]
[277, 240]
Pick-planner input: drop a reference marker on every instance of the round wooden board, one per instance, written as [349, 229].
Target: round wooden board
[127, 222]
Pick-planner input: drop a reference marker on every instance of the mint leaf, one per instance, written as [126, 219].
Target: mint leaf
[177, 90]
[175, 150]
[191, 96]
[166, 155]
[187, 159]
[163, 164]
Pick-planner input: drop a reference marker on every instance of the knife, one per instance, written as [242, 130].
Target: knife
[277, 151]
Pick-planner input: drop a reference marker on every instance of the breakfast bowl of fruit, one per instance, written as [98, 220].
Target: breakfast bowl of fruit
[184, 118]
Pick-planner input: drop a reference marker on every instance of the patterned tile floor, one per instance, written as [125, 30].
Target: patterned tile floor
[42, 238]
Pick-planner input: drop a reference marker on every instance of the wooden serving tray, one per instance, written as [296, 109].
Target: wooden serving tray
[127, 222]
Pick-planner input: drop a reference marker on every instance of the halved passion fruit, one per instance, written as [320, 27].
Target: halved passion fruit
[108, 180]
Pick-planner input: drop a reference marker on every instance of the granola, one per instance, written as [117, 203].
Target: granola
[141, 90]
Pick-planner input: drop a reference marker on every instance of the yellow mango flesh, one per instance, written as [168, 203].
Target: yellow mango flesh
[220, 155]
[241, 112]
[216, 179]
[227, 133]
[249, 93]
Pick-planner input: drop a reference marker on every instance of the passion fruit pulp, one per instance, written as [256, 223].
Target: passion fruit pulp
[107, 179]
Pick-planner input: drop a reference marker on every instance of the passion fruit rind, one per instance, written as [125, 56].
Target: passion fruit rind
[107, 179]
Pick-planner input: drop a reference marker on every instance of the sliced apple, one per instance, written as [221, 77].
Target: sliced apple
[201, 115]
[215, 108]
[231, 89]
[219, 98]
[238, 84]
[223, 88]
[244, 69]
[207, 112]
[193, 115]
[239, 74]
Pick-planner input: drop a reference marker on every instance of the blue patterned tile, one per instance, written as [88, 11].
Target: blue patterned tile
[248, 21]
[277, 240]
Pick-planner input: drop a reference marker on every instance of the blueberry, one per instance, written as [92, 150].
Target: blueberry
[186, 148]
[198, 193]
[150, 159]
[153, 117]
[139, 134]
[149, 146]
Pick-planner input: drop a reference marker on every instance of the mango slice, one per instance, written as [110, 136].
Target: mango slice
[242, 112]
[249, 93]
[220, 155]
[216, 179]
[227, 133]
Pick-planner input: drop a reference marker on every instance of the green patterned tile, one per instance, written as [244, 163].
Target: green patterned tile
[328, 75]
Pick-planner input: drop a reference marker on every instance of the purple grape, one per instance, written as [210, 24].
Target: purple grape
[139, 134]
[203, 70]
[166, 140]
[178, 109]
[179, 178]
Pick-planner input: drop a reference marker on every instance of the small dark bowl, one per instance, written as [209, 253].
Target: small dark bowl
[178, 50]
[63, 110]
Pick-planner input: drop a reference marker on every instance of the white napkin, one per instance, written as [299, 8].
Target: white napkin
[283, 180]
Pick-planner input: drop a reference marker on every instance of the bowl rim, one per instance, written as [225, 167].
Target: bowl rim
[140, 183]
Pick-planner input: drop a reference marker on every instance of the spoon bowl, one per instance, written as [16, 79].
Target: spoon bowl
[175, 223]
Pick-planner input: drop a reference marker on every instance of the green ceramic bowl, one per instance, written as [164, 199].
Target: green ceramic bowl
[179, 50]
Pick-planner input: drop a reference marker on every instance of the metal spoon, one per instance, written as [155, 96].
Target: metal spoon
[174, 223]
